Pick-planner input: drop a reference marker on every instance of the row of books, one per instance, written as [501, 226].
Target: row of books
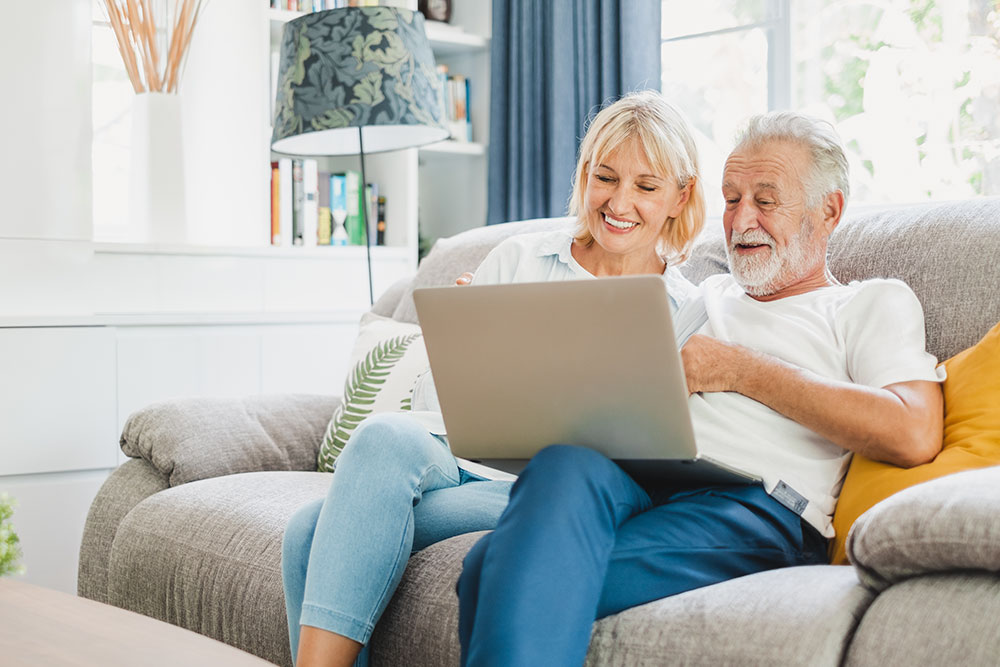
[456, 104]
[310, 207]
[320, 5]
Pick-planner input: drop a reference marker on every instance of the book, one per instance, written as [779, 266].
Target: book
[285, 200]
[275, 204]
[371, 213]
[324, 189]
[298, 201]
[310, 201]
[325, 228]
[355, 199]
[380, 224]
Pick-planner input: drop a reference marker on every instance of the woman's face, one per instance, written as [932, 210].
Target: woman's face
[628, 202]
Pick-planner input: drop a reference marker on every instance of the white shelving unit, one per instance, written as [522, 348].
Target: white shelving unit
[453, 173]
[448, 183]
[395, 173]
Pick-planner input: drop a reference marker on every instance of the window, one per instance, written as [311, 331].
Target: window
[913, 86]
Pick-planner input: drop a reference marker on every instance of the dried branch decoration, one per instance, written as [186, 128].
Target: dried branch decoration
[140, 41]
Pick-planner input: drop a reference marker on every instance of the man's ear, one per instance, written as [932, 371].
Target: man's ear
[833, 209]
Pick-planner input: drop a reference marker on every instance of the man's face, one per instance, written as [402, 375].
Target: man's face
[772, 240]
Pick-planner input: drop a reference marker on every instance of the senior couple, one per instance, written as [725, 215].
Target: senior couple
[790, 374]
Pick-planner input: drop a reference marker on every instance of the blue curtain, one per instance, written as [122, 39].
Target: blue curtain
[554, 63]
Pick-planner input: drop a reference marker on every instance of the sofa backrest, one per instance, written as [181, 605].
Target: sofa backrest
[949, 253]
[452, 256]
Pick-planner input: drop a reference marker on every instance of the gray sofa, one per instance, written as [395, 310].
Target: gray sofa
[189, 529]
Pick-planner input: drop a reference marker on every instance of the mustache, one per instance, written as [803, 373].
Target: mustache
[754, 236]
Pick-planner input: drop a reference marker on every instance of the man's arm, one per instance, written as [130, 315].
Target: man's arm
[900, 423]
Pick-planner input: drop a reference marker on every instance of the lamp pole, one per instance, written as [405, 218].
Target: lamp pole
[364, 215]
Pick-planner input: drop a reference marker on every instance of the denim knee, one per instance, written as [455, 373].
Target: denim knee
[555, 461]
[385, 439]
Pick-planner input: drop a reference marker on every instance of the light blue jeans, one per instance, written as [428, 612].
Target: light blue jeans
[396, 490]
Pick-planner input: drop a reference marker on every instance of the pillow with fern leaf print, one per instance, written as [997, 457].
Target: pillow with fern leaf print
[387, 359]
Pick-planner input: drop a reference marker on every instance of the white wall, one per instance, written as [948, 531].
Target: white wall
[45, 79]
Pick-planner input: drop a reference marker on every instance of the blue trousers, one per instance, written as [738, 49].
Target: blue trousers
[397, 489]
[581, 540]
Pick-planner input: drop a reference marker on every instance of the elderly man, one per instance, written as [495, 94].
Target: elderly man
[791, 373]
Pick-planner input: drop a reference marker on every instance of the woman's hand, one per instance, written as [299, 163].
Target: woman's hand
[465, 279]
[713, 365]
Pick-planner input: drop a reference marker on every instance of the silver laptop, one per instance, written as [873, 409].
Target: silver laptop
[587, 362]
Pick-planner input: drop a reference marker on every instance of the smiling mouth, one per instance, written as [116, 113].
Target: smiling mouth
[750, 247]
[623, 225]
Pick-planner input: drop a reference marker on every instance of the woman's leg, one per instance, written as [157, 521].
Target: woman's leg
[540, 574]
[453, 510]
[342, 560]
[406, 483]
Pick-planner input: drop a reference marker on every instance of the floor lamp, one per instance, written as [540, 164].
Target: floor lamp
[353, 81]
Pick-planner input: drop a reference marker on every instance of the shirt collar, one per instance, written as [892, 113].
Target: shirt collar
[558, 244]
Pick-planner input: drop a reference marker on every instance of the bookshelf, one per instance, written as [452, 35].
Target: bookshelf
[440, 189]
[395, 173]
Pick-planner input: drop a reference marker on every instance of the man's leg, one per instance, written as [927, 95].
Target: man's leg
[539, 575]
[698, 538]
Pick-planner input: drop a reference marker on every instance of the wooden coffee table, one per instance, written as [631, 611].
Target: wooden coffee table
[40, 627]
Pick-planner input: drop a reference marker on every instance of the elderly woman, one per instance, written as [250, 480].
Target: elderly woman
[639, 203]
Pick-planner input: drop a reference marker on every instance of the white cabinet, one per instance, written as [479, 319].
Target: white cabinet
[57, 399]
[68, 388]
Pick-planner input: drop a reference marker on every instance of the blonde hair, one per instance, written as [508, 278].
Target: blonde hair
[666, 139]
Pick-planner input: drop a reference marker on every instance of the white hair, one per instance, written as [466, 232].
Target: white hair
[829, 170]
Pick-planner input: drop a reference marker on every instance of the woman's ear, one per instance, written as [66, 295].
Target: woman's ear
[684, 198]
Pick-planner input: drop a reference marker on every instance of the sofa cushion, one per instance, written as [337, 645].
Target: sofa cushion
[802, 615]
[951, 523]
[387, 359]
[206, 556]
[971, 438]
[938, 619]
[197, 438]
[450, 257]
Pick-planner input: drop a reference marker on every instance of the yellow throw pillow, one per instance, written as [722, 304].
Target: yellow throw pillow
[971, 439]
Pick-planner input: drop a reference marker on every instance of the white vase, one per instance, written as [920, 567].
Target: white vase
[157, 204]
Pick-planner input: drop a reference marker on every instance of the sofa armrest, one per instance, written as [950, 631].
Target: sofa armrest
[197, 438]
[950, 523]
[127, 486]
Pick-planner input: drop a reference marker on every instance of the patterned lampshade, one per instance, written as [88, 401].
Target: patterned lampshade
[367, 67]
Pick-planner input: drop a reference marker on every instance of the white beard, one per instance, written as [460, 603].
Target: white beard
[767, 274]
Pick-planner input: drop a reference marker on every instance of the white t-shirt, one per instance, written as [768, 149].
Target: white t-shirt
[869, 333]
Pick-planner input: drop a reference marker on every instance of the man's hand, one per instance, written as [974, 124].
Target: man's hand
[465, 279]
[713, 365]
